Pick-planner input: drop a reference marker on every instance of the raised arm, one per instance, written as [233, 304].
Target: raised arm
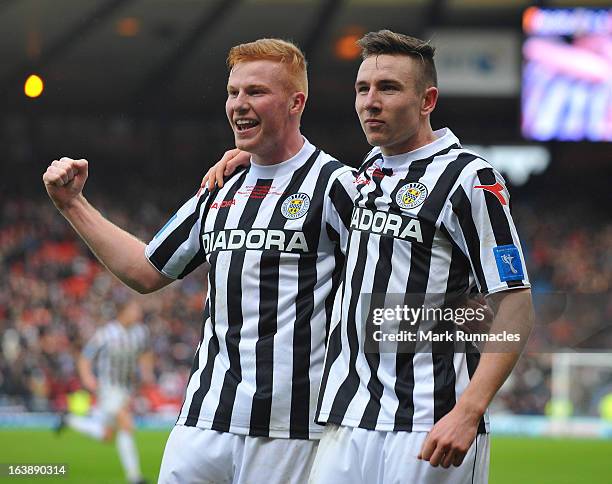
[119, 251]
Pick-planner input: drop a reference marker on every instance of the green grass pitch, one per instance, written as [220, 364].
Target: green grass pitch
[513, 460]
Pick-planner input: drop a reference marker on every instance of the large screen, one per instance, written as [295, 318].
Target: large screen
[567, 74]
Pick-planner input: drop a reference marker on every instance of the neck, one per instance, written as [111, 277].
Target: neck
[422, 137]
[287, 149]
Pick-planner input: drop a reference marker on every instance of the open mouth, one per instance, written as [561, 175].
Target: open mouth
[245, 124]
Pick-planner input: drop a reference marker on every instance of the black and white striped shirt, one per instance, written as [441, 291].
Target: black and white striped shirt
[274, 241]
[115, 349]
[432, 221]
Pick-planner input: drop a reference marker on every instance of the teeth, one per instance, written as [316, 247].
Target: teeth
[243, 123]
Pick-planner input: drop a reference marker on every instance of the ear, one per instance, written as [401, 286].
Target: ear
[429, 101]
[298, 103]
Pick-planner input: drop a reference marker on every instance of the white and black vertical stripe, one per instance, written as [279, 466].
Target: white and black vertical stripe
[350, 384]
[233, 375]
[114, 350]
[305, 306]
[420, 385]
[264, 349]
[272, 281]
[382, 274]
[213, 344]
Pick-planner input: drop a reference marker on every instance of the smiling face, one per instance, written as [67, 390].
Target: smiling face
[392, 105]
[262, 108]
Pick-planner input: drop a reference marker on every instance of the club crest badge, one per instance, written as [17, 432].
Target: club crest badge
[411, 195]
[295, 206]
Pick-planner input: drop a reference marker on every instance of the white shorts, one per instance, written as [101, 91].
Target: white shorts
[111, 400]
[358, 456]
[200, 456]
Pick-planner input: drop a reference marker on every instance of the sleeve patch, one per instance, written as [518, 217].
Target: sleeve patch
[508, 260]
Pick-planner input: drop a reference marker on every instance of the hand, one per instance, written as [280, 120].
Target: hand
[231, 160]
[450, 439]
[64, 180]
[481, 323]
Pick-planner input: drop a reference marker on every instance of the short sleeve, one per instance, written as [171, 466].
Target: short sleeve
[479, 221]
[339, 205]
[176, 249]
[94, 345]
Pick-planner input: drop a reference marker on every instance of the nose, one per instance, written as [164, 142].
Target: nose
[371, 101]
[239, 104]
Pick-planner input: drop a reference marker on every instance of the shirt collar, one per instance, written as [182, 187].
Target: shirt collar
[445, 139]
[286, 167]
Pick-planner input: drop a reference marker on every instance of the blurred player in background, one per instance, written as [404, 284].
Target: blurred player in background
[109, 366]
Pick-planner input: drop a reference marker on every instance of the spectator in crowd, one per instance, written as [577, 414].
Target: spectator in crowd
[53, 296]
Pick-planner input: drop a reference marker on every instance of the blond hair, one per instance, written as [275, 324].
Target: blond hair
[277, 50]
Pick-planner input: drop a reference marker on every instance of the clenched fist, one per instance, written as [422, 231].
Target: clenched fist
[64, 181]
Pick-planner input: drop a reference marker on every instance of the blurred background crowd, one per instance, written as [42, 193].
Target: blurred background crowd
[138, 88]
[53, 294]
